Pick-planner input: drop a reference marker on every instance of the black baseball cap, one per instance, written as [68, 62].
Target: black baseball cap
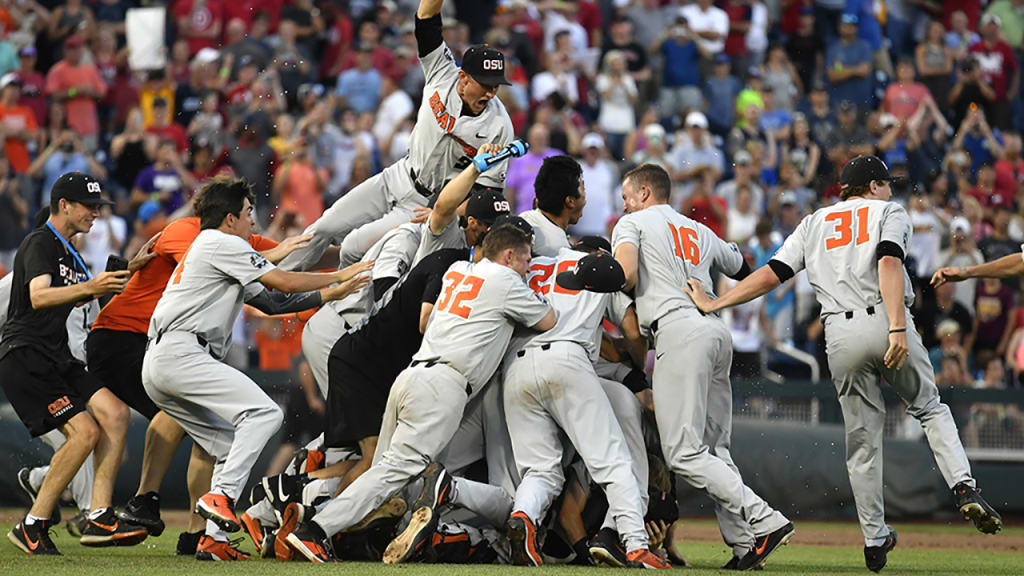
[862, 170]
[79, 187]
[596, 272]
[486, 205]
[516, 221]
[485, 64]
[592, 243]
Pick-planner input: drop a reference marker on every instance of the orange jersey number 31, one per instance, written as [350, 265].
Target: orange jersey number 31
[843, 228]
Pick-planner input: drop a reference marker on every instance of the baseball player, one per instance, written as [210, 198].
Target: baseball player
[223, 411]
[1005, 267]
[659, 249]
[46, 386]
[560, 197]
[459, 113]
[551, 386]
[853, 252]
[470, 327]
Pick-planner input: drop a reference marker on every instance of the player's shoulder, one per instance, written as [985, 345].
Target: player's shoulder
[181, 229]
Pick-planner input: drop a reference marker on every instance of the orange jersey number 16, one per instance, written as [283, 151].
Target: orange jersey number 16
[843, 222]
[460, 304]
[686, 244]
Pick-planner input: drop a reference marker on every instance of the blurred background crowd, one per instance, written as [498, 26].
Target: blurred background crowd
[751, 105]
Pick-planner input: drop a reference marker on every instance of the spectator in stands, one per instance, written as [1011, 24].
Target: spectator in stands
[14, 212]
[745, 175]
[298, 185]
[992, 306]
[791, 186]
[805, 48]
[620, 38]
[33, 84]
[17, 124]
[739, 13]
[77, 84]
[939, 308]
[710, 24]
[802, 151]
[68, 20]
[651, 20]
[164, 128]
[694, 153]
[292, 62]
[557, 77]
[781, 77]
[998, 65]
[600, 180]
[1011, 25]
[929, 228]
[998, 242]
[382, 59]
[774, 120]
[905, 96]
[720, 92]
[618, 97]
[359, 87]
[742, 218]
[199, 22]
[960, 37]
[952, 374]
[1010, 167]
[522, 172]
[559, 16]
[945, 342]
[680, 78]
[239, 44]
[128, 151]
[849, 65]
[395, 108]
[166, 180]
[66, 153]
[703, 206]
[655, 150]
[934, 59]
[850, 138]
[208, 124]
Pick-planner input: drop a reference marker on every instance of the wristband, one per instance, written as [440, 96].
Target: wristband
[897, 330]
[225, 72]
[72, 92]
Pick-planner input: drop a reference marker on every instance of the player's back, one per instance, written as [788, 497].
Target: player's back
[672, 248]
[838, 246]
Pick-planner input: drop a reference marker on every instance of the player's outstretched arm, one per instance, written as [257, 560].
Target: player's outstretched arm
[455, 192]
[286, 247]
[43, 295]
[1005, 267]
[429, 9]
[305, 281]
[891, 285]
[756, 285]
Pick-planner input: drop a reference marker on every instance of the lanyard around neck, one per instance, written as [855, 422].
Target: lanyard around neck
[70, 248]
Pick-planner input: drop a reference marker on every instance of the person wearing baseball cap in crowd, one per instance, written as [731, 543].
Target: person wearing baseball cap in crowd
[47, 387]
[32, 84]
[18, 121]
[78, 84]
[600, 179]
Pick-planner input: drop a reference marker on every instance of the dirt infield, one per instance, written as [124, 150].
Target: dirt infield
[816, 534]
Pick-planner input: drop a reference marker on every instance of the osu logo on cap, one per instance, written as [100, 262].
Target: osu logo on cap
[494, 64]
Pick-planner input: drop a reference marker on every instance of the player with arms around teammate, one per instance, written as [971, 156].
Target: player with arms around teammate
[469, 329]
[223, 411]
[47, 387]
[458, 114]
[659, 249]
[853, 252]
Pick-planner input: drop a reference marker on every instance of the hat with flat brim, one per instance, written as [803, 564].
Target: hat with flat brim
[79, 187]
[864, 170]
[485, 64]
[595, 272]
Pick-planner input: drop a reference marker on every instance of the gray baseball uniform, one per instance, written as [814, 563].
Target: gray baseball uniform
[442, 143]
[465, 340]
[548, 237]
[837, 246]
[222, 409]
[551, 386]
[452, 236]
[693, 356]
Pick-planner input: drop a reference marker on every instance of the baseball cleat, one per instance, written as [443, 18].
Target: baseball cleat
[415, 541]
[294, 514]
[734, 563]
[976, 509]
[388, 511]
[282, 490]
[876, 556]
[605, 549]
[219, 509]
[219, 550]
[437, 487]
[253, 528]
[310, 543]
[644, 558]
[188, 543]
[522, 535]
[77, 523]
[33, 540]
[109, 530]
[267, 549]
[764, 546]
[26, 485]
[144, 510]
[307, 460]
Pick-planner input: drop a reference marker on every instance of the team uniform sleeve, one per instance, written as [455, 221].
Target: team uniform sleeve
[726, 255]
[395, 257]
[896, 230]
[435, 57]
[626, 232]
[791, 254]
[495, 177]
[524, 305]
[617, 306]
[235, 258]
[430, 242]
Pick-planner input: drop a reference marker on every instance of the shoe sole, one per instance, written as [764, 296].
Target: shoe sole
[282, 551]
[267, 550]
[393, 508]
[253, 529]
[23, 481]
[519, 538]
[296, 545]
[602, 556]
[419, 532]
[204, 556]
[154, 527]
[228, 524]
[122, 539]
[785, 540]
[985, 523]
[17, 542]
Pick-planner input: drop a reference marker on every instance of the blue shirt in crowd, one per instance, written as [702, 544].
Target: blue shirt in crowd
[856, 90]
[361, 90]
[720, 94]
[680, 64]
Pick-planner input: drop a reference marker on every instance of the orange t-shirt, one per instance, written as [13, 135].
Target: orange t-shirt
[131, 310]
[81, 111]
[17, 118]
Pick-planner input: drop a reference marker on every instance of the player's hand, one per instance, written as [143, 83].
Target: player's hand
[108, 282]
[948, 274]
[898, 350]
[349, 272]
[286, 247]
[144, 255]
[420, 214]
[695, 290]
[656, 533]
[646, 398]
[347, 287]
[488, 148]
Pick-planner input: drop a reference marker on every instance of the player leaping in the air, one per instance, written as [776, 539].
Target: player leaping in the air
[459, 113]
[853, 252]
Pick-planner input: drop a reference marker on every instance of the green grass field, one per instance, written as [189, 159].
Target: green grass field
[155, 557]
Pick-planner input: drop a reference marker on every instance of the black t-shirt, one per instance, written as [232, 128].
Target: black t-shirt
[391, 336]
[45, 329]
[636, 56]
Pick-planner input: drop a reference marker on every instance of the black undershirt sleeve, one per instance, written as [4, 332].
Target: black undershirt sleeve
[888, 248]
[381, 285]
[781, 269]
[636, 381]
[742, 273]
[428, 34]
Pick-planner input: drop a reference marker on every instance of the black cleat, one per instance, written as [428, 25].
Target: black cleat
[109, 530]
[764, 546]
[282, 490]
[415, 542]
[33, 540]
[309, 542]
[144, 510]
[976, 509]
[437, 488]
[26, 485]
[606, 549]
[734, 563]
[188, 543]
[876, 556]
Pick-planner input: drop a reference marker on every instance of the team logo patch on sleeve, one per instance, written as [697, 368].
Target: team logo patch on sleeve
[257, 260]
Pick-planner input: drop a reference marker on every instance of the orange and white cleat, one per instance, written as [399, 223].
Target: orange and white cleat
[219, 550]
[220, 510]
[522, 535]
[644, 558]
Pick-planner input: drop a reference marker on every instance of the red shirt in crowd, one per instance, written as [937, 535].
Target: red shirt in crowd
[589, 16]
[17, 118]
[699, 208]
[33, 87]
[903, 100]
[245, 10]
[201, 20]
[1009, 174]
[383, 60]
[997, 64]
[81, 110]
[339, 35]
[736, 41]
[172, 131]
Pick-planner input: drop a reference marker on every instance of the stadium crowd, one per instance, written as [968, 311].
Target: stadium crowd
[751, 106]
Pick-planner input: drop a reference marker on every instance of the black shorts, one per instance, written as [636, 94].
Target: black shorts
[115, 357]
[300, 423]
[45, 394]
[355, 399]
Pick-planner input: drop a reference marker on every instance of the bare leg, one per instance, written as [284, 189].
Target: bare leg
[82, 434]
[368, 446]
[113, 417]
[280, 460]
[200, 474]
[570, 515]
[162, 439]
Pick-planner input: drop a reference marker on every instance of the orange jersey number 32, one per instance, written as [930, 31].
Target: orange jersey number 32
[469, 288]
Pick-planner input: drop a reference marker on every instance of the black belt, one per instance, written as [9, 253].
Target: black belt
[522, 353]
[870, 310]
[654, 326]
[431, 364]
[423, 190]
[200, 339]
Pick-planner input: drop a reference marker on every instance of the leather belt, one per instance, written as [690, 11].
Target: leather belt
[420, 188]
[202, 341]
[849, 313]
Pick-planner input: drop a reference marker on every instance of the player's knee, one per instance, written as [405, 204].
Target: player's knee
[112, 415]
[274, 416]
[82, 432]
